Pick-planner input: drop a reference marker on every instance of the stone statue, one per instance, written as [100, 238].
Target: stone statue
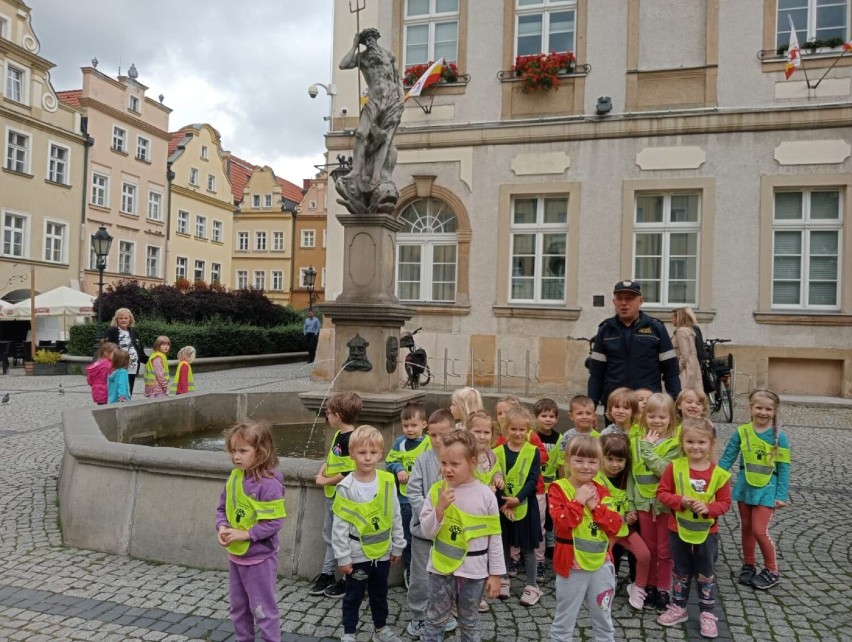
[369, 187]
[357, 359]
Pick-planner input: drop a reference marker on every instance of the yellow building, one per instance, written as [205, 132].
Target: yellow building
[41, 183]
[201, 209]
[309, 243]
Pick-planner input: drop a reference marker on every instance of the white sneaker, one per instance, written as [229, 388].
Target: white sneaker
[415, 628]
[531, 596]
[451, 625]
[636, 596]
[483, 606]
[385, 635]
[348, 637]
[505, 587]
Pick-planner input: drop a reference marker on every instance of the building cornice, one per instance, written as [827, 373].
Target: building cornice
[19, 54]
[35, 123]
[123, 117]
[180, 190]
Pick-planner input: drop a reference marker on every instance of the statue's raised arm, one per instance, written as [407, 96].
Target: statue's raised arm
[369, 187]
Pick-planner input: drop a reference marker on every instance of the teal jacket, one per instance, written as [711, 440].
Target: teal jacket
[778, 487]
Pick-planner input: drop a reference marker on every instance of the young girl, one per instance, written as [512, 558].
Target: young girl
[183, 381]
[248, 518]
[762, 483]
[614, 476]
[464, 401]
[691, 403]
[97, 372]
[487, 470]
[460, 569]
[650, 452]
[118, 382]
[157, 369]
[520, 463]
[503, 405]
[697, 492]
[585, 525]
[622, 410]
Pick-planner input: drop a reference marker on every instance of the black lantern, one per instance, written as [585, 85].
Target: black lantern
[310, 279]
[101, 242]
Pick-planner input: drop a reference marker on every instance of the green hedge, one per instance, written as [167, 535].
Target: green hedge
[210, 338]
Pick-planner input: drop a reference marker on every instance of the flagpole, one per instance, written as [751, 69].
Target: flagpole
[799, 51]
[829, 69]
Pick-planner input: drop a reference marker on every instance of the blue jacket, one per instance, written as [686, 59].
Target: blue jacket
[778, 486]
[636, 358]
[118, 385]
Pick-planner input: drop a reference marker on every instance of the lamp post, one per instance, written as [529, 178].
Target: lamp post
[101, 242]
[310, 279]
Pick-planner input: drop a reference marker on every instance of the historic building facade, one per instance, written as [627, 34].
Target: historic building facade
[309, 243]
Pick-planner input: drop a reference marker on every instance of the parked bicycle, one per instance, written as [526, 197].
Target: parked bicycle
[591, 342]
[416, 364]
[717, 376]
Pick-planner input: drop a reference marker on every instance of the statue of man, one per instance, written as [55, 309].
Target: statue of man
[369, 186]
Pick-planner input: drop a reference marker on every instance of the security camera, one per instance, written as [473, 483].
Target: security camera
[313, 92]
[343, 111]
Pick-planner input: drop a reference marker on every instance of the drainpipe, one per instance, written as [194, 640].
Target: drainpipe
[292, 252]
[170, 176]
[88, 142]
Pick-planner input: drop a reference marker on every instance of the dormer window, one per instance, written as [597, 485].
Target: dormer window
[204, 152]
[134, 103]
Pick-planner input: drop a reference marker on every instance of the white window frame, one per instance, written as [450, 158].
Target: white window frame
[58, 169]
[428, 211]
[255, 201]
[539, 229]
[155, 205]
[241, 279]
[193, 176]
[267, 200]
[100, 190]
[260, 241]
[259, 281]
[182, 222]
[126, 257]
[119, 139]
[143, 149]
[277, 241]
[21, 95]
[242, 241]
[153, 260]
[277, 280]
[211, 183]
[312, 205]
[17, 157]
[134, 104]
[429, 20]
[308, 239]
[4, 27]
[200, 227]
[23, 232]
[55, 244]
[666, 228]
[811, 30]
[215, 273]
[181, 267]
[204, 153]
[199, 267]
[218, 226]
[129, 196]
[545, 8]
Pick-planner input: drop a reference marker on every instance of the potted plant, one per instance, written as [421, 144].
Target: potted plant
[541, 72]
[449, 73]
[47, 362]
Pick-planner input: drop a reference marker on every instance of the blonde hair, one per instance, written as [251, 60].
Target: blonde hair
[479, 415]
[582, 446]
[463, 437]
[702, 425]
[258, 435]
[106, 348]
[120, 359]
[698, 393]
[122, 312]
[658, 401]
[468, 400]
[186, 353]
[683, 318]
[771, 395]
[514, 413]
[623, 397]
[366, 435]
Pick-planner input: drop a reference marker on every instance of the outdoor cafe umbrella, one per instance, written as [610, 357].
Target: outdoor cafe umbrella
[63, 302]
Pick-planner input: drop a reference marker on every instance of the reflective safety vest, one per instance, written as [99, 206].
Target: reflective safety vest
[407, 457]
[513, 480]
[373, 519]
[758, 460]
[618, 501]
[589, 540]
[691, 527]
[646, 480]
[451, 543]
[189, 379]
[150, 379]
[335, 464]
[554, 459]
[487, 478]
[243, 512]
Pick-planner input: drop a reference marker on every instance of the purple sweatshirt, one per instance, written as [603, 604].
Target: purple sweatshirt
[264, 534]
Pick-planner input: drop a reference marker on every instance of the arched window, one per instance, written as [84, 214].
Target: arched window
[427, 252]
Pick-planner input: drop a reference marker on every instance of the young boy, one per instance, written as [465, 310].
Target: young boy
[581, 411]
[426, 471]
[546, 415]
[341, 412]
[367, 534]
[399, 462]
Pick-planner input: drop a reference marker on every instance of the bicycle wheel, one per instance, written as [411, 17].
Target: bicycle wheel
[726, 398]
[427, 376]
[713, 394]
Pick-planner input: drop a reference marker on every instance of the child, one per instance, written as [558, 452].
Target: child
[642, 395]
[157, 369]
[581, 412]
[546, 414]
[426, 471]
[459, 504]
[97, 372]
[622, 409]
[519, 519]
[463, 402]
[341, 412]
[691, 403]
[503, 405]
[650, 453]
[367, 534]
[614, 475]
[400, 460]
[762, 483]
[183, 381]
[487, 470]
[118, 381]
[248, 518]
[698, 493]
[581, 513]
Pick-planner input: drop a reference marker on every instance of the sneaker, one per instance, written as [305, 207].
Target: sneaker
[483, 606]
[707, 621]
[451, 625]
[548, 552]
[406, 574]
[540, 572]
[336, 589]
[766, 579]
[531, 596]
[415, 628]
[747, 573]
[636, 596]
[348, 637]
[651, 597]
[674, 615]
[505, 585]
[663, 600]
[513, 568]
[320, 583]
[385, 635]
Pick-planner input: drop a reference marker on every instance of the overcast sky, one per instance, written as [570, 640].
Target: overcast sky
[243, 67]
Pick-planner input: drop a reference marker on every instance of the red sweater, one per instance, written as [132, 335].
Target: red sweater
[536, 441]
[568, 513]
[666, 494]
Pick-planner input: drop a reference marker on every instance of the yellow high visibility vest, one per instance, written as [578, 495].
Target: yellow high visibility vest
[589, 540]
[646, 480]
[243, 512]
[692, 528]
[554, 458]
[451, 543]
[335, 464]
[513, 480]
[619, 501]
[758, 462]
[189, 378]
[373, 520]
[487, 478]
[150, 380]
[407, 458]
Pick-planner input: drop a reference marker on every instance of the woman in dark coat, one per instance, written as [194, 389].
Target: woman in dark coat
[122, 333]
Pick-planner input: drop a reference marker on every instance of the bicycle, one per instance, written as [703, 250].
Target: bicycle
[591, 342]
[716, 374]
[416, 363]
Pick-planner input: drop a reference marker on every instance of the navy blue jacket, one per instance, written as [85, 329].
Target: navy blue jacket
[636, 358]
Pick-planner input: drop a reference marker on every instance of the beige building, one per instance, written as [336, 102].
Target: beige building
[127, 189]
[201, 208]
[310, 243]
[42, 177]
[670, 153]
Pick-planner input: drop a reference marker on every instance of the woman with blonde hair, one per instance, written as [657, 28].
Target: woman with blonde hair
[683, 338]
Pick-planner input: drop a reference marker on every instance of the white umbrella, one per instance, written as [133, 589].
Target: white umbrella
[61, 301]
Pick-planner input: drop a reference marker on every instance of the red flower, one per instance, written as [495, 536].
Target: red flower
[540, 72]
[450, 73]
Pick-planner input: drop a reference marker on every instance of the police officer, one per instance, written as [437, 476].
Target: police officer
[631, 349]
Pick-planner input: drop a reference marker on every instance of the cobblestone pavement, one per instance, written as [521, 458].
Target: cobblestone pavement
[49, 592]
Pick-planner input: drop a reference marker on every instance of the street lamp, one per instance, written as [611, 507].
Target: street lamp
[101, 242]
[310, 279]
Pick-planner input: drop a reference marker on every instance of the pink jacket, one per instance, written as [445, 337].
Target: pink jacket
[96, 377]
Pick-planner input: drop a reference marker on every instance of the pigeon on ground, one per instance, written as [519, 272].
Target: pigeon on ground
[5, 398]
[61, 389]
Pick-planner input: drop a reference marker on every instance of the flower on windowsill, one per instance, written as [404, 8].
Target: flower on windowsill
[449, 74]
[540, 72]
[814, 44]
